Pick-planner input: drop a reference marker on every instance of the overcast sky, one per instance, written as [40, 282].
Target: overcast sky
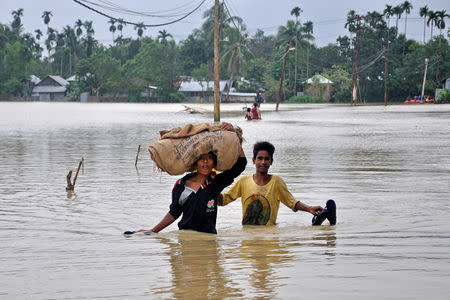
[328, 17]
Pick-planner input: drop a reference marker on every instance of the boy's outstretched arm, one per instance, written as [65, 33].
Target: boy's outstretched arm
[311, 209]
[166, 221]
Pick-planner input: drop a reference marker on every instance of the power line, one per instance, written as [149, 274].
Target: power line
[133, 23]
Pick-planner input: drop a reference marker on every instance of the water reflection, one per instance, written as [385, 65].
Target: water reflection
[254, 261]
[195, 260]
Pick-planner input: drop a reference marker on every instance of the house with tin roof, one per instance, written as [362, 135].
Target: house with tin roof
[195, 90]
[50, 88]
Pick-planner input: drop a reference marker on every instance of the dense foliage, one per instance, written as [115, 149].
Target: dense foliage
[130, 65]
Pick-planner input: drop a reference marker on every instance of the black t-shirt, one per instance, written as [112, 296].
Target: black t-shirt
[199, 209]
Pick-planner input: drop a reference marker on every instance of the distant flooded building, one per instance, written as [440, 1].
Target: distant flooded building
[195, 90]
[50, 88]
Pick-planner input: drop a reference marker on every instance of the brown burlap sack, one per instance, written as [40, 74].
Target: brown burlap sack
[179, 148]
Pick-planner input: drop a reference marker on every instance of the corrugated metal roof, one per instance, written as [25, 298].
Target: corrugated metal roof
[34, 79]
[49, 89]
[59, 80]
[321, 79]
[242, 94]
[195, 86]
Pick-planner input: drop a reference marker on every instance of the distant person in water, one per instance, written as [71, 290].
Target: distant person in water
[255, 114]
[248, 115]
[261, 193]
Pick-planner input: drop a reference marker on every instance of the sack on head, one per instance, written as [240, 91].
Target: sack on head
[178, 149]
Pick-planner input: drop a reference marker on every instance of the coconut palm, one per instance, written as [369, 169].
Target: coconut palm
[388, 12]
[289, 36]
[89, 42]
[406, 7]
[432, 19]
[113, 27]
[440, 23]
[296, 11]
[71, 43]
[51, 37]
[46, 16]
[16, 24]
[88, 26]
[424, 13]
[398, 11]
[120, 26]
[140, 29]
[235, 52]
[79, 30]
[308, 29]
[163, 35]
[38, 34]
[351, 21]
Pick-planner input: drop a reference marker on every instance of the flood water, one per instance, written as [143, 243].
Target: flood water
[387, 168]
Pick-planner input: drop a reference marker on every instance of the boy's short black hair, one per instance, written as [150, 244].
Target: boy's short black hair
[263, 146]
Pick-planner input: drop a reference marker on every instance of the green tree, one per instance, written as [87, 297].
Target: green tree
[342, 82]
[157, 64]
[16, 67]
[424, 13]
[235, 52]
[95, 71]
[139, 29]
[163, 35]
[406, 7]
[112, 27]
[16, 24]
[79, 29]
[46, 17]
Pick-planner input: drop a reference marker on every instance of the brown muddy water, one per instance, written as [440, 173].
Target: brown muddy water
[388, 169]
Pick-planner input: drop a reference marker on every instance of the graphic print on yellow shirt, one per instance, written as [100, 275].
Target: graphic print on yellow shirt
[260, 204]
[257, 210]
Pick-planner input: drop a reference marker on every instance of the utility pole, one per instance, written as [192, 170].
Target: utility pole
[355, 62]
[216, 63]
[280, 89]
[386, 67]
[424, 78]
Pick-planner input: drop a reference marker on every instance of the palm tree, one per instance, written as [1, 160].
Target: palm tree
[432, 19]
[89, 42]
[388, 12]
[308, 30]
[51, 37]
[16, 24]
[78, 25]
[398, 11]
[163, 35]
[120, 26]
[406, 7]
[112, 28]
[46, 16]
[296, 11]
[440, 23]
[60, 43]
[290, 35]
[235, 51]
[140, 29]
[88, 26]
[375, 19]
[38, 34]
[71, 42]
[351, 21]
[423, 13]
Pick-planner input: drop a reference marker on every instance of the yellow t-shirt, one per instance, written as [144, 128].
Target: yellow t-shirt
[260, 204]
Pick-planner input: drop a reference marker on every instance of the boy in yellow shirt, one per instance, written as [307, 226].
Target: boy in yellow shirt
[261, 193]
